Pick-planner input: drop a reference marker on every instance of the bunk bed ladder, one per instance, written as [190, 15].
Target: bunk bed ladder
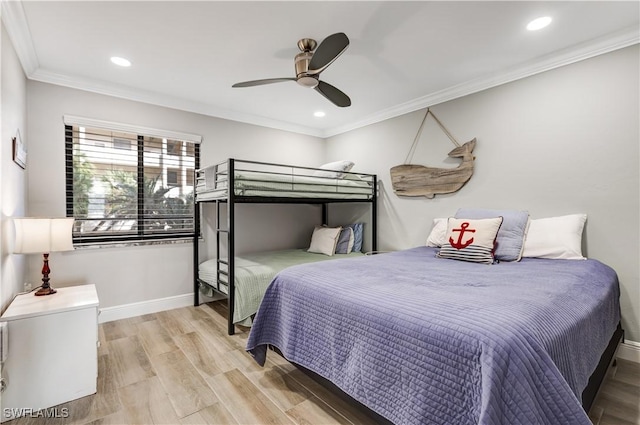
[222, 276]
[374, 214]
[229, 274]
[196, 262]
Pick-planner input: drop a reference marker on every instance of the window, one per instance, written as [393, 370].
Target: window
[128, 186]
[124, 144]
[172, 177]
[174, 148]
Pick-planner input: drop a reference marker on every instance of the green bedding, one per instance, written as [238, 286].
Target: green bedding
[254, 272]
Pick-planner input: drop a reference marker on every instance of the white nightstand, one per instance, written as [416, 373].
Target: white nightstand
[53, 350]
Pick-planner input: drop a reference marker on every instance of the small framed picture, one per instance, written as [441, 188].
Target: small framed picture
[19, 151]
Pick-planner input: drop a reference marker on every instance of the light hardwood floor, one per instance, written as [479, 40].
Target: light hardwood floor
[180, 367]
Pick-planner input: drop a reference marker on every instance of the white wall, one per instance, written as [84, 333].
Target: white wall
[560, 142]
[135, 274]
[564, 141]
[13, 118]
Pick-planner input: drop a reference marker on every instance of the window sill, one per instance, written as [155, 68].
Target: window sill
[127, 244]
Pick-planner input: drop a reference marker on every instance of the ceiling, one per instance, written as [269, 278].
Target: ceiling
[403, 56]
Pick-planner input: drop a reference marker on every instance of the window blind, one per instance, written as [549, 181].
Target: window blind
[127, 186]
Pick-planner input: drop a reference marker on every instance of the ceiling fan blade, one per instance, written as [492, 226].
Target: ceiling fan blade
[262, 82]
[328, 51]
[334, 95]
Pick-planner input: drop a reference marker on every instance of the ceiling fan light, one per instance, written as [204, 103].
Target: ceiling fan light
[309, 82]
[539, 23]
[120, 61]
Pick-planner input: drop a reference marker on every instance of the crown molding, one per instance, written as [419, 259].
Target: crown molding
[130, 93]
[15, 22]
[618, 40]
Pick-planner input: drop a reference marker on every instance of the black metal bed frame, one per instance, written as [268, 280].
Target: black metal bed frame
[597, 377]
[225, 269]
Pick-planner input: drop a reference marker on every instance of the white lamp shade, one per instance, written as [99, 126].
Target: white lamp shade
[43, 235]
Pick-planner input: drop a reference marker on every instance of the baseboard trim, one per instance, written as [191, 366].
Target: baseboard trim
[629, 350]
[109, 314]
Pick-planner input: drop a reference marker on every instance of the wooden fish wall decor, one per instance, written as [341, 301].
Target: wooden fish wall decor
[418, 180]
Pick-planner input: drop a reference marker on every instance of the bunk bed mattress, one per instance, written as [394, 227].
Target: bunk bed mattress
[289, 186]
[425, 340]
[254, 272]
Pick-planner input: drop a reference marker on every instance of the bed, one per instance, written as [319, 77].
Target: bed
[253, 273]
[426, 340]
[261, 182]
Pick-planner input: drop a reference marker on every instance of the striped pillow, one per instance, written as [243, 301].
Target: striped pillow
[471, 240]
[345, 241]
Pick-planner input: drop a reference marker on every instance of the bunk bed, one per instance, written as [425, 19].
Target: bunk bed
[237, 181]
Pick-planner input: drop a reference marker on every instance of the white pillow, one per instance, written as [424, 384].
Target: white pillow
[354, 177]
[324, 240]
[438, 235]
[555, 237]
[334, 170]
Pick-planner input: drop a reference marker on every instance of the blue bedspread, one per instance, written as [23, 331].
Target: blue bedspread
[424, 340]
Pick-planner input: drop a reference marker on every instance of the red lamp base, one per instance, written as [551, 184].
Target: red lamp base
[45, 289]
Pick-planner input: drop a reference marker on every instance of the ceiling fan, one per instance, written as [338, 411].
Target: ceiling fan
[309, 64]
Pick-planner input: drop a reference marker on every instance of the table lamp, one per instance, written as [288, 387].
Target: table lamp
[43, 235]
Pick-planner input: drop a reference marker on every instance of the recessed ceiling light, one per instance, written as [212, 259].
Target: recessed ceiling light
[319, 114]
[539, 23]
[120, 61]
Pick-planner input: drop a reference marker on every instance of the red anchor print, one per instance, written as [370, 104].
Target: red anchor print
[459, 244]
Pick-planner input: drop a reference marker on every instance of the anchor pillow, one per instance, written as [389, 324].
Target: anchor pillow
[510, 242]
[471, 240]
